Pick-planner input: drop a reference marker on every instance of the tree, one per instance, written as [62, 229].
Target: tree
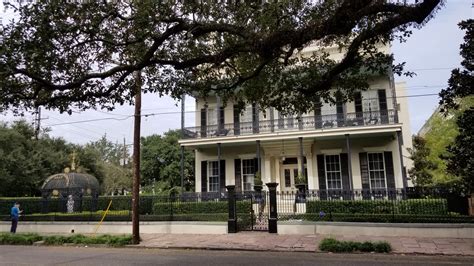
[161, 160]
[68, 54]
[461, 158]
[460, 84]
[421, 164]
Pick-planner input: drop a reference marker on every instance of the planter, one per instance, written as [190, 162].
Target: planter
[301, 193]
[258, 193]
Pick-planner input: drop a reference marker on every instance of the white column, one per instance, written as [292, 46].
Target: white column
[268, 170]
[311, 174]
[276, 177]
[197, 174]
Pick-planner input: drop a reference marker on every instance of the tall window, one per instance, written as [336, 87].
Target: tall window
[211, 117]
[248, 173]
[376, 170]
[213, 174]
[246, 114]
[333, 172]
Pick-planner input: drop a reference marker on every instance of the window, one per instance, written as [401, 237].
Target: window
[246, 114]
[376, 170]
[287, 178]
[333, 172]
[211, 117]
[213, 174]
[248, 173]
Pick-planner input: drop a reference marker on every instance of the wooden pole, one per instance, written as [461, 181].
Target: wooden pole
[136, 160]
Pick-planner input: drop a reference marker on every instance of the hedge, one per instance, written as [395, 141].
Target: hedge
[333, 245]
[198, 207]
[377, 218]
[410, 206]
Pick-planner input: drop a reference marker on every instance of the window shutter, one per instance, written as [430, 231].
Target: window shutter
[238, 175]
[255, 166]
[383, 106]
[364, 174]
[281, 121]
[236, 120]
[318, 119]
[255, 118]
[321, 176]
[203, 122]
[203, 176]
[346, 187]
[390, 175]
[222, 176]
[358, 108]
[221, 121]
[340, 113]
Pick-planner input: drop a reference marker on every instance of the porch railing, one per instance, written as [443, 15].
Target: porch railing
[315, 122]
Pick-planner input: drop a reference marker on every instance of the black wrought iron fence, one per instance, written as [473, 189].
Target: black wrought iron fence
[410, 205]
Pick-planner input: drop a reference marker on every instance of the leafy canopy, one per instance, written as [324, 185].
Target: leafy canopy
[65, 54]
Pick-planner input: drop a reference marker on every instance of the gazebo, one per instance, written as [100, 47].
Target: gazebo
[69, 188]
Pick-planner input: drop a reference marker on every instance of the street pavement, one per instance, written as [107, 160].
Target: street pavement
[262, 241]
[31, 255]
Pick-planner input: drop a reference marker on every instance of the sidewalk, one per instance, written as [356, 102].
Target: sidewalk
[261, 241]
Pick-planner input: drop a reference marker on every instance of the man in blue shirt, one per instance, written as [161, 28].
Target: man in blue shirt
[15, 214]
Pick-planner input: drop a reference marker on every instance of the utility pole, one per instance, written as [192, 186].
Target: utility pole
[136, 160]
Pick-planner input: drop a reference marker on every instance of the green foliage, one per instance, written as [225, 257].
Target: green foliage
[411, 206]
[201, 211]
[19, 239]
[160, 161]
[461, 153]
[83, 55]
[258, 179]
[421, 165]
[300, 179]
[337, 246]
[109, 240]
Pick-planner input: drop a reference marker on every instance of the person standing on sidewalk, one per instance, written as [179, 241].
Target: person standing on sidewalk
[15, 215]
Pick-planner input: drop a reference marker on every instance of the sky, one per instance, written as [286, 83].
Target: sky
[431, 52]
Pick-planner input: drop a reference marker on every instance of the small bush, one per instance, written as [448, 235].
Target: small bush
[19, 239]
[115, 241]
[333, 245]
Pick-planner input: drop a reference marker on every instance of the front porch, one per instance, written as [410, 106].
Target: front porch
[370, 161]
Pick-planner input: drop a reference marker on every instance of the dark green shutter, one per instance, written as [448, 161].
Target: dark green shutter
[203, 122]
[340, 112]
[236, 120]
[203, 176]
[318, 119]
[221, 122]
[383, 106]
[345, 176]
[238, 175]
[364, 175]
[222, 176]
[255, 118]
[358, 108]
[390, 175]
[321, 176]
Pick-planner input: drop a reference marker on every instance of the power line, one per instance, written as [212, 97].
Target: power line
[168, 113]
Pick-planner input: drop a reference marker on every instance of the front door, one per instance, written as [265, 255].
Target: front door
[288, 174]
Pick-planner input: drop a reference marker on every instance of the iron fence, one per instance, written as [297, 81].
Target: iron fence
[407, 205]
[412, 205]
[315, 122]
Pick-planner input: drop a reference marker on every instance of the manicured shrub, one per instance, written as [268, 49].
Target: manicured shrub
[337, 246]
[89, 240]
[411, 206]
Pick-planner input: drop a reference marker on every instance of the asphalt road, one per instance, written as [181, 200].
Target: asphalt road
[27, 255]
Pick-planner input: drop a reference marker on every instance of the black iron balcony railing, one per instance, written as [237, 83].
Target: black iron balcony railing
[315, 122]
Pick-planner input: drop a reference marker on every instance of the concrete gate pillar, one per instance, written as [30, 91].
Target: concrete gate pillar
[232, 221]
[273, 217]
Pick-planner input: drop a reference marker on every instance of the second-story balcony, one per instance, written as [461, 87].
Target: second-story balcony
[304, 123]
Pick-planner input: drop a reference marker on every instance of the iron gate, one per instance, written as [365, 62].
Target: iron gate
[252, 211]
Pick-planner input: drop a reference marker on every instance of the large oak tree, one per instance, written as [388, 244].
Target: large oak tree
[81, 54]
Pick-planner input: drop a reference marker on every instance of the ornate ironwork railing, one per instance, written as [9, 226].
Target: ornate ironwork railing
[315, 122]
